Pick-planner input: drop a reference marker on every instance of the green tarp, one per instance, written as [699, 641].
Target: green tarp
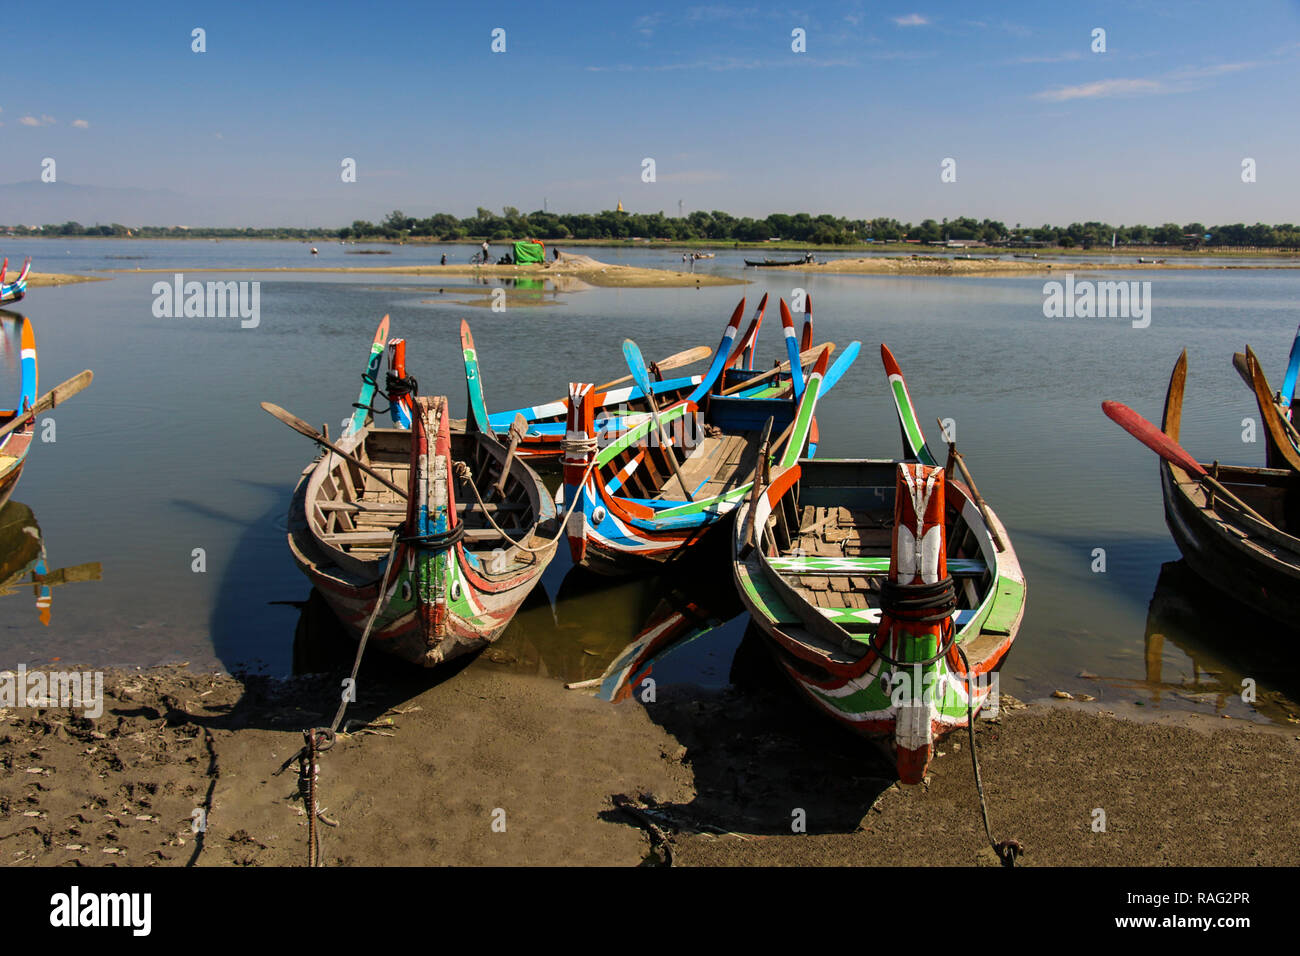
[529, 252]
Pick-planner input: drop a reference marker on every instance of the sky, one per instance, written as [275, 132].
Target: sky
[1041, 127]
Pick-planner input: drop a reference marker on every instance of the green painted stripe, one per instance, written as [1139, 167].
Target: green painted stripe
[1008, 603]
[907, 415]
[864, 566]
[803, 422]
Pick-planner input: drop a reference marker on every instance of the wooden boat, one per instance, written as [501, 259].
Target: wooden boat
[1281, 440]
[15, 445]
[777, 263]
[443, 571]
[645, 496]
[617, 406]
[1250, 557]
[887, 590]
[15, 290]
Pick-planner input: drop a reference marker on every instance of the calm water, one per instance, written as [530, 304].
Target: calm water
[168, 452]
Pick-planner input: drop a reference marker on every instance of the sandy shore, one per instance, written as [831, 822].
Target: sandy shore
[578, 267]
[36, 280]
[437, 758]
[942, 266]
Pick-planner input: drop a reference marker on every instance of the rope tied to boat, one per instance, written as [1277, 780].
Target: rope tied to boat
[918, 603]
[438, 540]
[935, 601]
[1007, 850]
[579, 447]
[396, 387]
[462, 471]
[320, 739]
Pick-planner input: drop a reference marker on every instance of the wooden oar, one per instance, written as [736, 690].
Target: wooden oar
[1172, 452]
[975, 492]
[804, 357]
[518, 429]
[300, 426]
[688, 357]
[636, 365]
[56, 395]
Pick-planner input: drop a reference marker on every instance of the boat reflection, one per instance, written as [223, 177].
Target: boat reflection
[23, 560]
[1230, 648]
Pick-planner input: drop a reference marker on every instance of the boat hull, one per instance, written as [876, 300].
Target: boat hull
[1229, 563]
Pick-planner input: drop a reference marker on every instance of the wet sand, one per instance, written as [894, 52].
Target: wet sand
[584, 268]
[36, 280]
[943, 266]
[721, 775]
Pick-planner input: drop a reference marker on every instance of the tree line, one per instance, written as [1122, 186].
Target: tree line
[718, 226]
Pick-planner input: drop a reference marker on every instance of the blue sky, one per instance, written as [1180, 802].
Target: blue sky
[1042, 129]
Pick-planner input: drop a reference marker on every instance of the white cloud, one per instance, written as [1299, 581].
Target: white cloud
[1103, 88]
[912, 20]
[80, 124]
[43, 120]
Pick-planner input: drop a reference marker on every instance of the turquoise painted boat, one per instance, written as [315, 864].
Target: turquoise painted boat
[887, 590]
[15, 445]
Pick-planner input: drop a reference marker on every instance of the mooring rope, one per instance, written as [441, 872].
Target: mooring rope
[320, 739]
[1007, 850]
[462, 471]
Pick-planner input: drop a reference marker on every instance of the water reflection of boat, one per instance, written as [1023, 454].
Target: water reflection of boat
[23, 561]
[1200, 625]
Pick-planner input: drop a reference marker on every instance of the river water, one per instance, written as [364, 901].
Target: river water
[167, 452]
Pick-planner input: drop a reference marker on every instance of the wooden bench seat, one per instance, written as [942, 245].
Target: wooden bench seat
[867, 567]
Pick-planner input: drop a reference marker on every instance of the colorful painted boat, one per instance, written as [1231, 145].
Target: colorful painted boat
[1254, 561]
[15, 290]
[443, 572]
[887, 590]
[634, 508]
[619, 406]
[15, 445]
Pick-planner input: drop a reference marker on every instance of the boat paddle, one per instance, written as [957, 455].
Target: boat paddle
[636, 364]
[808, 356]
[688, 357]
[300, 426]
[1172, 452]
[56, 395]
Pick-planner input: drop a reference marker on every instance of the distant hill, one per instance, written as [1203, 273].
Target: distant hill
[34, 203]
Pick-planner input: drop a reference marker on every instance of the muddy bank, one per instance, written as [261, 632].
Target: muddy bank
[435, 760]
[584, 268]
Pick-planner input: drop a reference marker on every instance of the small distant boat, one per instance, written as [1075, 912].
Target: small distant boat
[703, 255]
[14, 291]
[314, 251]
[1236, 526]
[1150, 262]
[436, 536]
[777, 263]
[15, 445]
[887, 589]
